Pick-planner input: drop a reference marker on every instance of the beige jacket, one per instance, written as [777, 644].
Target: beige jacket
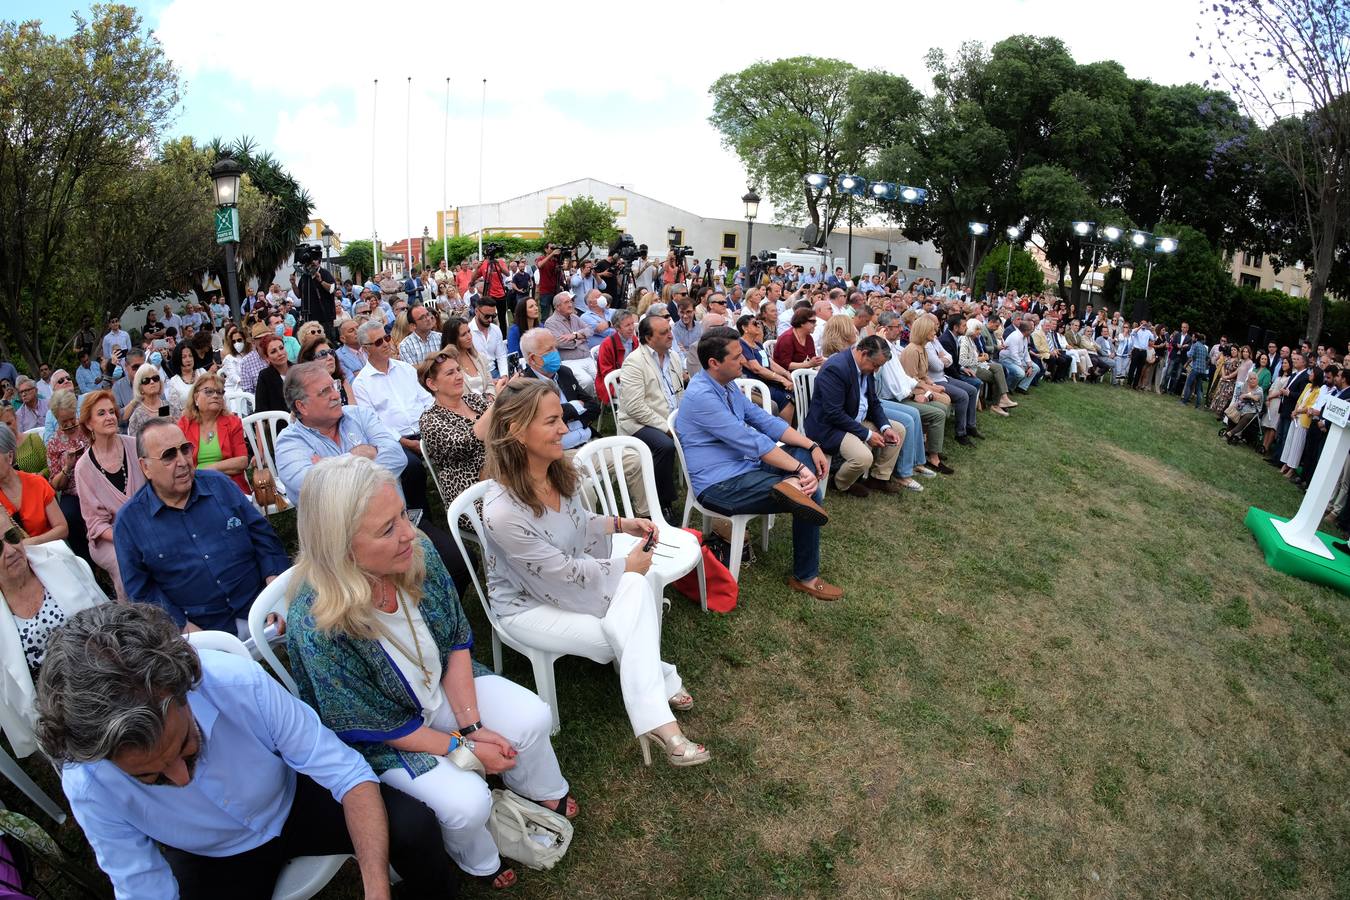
[642, 396]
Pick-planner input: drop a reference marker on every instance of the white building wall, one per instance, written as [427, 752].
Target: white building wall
[648, 220]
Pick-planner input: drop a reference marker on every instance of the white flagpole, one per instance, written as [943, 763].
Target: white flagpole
[407, 180]
[482, 119]
[374, 232]
[445, 177]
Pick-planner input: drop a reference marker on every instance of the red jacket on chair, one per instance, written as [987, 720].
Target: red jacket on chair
[230, 433]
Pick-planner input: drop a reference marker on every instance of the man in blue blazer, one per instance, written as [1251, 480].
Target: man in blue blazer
[846, 418]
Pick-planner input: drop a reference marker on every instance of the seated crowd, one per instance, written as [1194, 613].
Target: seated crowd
[195, 774]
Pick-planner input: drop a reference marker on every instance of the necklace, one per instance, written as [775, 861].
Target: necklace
[417, 642]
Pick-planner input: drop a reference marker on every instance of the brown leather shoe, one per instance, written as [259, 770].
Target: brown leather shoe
[886, 487]
[820, 589]
[800, 504]
[858, 489]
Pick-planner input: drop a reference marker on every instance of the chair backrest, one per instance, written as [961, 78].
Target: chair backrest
[431, 470]
[239, 402]
[260, 431]
[601, 464]
[271, 600]
[612, 388]
[803, 383]
[679, 452]
[219, 640]
[756, 391]
[465, 508]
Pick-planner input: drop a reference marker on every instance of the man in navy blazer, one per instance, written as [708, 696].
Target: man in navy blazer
[846, 418]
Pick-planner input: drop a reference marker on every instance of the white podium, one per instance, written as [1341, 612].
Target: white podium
[1300, 532]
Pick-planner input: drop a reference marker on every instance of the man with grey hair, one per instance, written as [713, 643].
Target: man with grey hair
[32, 411]
[541, 360]
[571, 338]
[189, 541]
[196, 775]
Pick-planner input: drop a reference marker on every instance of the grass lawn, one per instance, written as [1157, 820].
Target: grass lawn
[1097, 690]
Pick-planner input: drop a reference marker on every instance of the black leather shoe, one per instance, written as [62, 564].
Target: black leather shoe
[975, 433]
[964, 441]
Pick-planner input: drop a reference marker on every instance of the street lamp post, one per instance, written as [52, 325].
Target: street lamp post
[1126, 273]
[1014, 232]
[853, 186]
[976, 230]
[751, 201]
[327, 236]
[225, 176]
[426, 235]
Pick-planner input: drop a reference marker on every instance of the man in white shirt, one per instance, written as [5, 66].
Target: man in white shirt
[116, 339]
[824, 310]
[644, 273]
[1015, 352]
[487, 337]
[390, 388]
[170, 320]
[1140, 341]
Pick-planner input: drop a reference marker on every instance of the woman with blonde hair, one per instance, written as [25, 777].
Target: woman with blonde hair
[402, 328]
[840, 334]
[380, 647]
[305, 333]
[147, 399]
[552, 579]
[216, 434]
[920, 361]
[232, 352]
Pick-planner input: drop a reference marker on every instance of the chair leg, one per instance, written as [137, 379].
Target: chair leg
[11, 770]
[737, 543]
[688, 510]
[544, 684]
[496, 653]
[702, 581]
[764, 533]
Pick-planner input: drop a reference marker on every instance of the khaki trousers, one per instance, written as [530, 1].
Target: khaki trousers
[858, 458]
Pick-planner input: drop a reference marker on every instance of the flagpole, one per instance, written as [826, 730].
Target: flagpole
[374, 232]
[482, 119]
[445, 177]
[407, 180]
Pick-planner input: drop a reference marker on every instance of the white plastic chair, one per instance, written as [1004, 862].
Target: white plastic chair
[803, 385]
[612, 388]
[14, 773]
[465, 505]
[601, 464]
[240, 403]
[304, 876]
[271, 600]
[738, 522]
[260, 445]
[756, 391]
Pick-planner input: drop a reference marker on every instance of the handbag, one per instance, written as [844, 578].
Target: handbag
[527, 832]
[265, 492]
[723, 590]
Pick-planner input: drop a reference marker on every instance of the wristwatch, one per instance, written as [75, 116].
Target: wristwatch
[470, 729]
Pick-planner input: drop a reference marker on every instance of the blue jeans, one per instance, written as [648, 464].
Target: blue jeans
[752, 493]
[1017, 376]
[1194, 381]
[911, 451]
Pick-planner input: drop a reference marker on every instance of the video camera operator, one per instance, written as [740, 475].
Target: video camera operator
[549, 265]
[606, 278]
[314, 286]
[644, 270]
[493, 272]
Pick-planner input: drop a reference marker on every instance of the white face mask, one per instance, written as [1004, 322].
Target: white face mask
[238, 346]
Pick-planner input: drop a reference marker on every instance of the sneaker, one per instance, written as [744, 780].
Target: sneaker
[924, 472]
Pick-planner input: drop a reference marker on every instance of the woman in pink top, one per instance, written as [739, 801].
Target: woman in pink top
[108, 474]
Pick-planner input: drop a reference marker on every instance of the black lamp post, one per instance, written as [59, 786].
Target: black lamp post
[225, 176]
[751, 201]
[426, 235]
[977, 230]
[327, 235]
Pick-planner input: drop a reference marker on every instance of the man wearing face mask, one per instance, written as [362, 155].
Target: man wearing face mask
[543, 361]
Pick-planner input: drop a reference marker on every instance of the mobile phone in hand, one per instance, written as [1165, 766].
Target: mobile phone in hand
[650, 542]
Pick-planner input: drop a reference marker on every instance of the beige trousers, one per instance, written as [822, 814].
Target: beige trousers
[859, 458]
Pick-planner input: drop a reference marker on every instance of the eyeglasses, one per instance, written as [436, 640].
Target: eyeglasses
[150, 378]
[212, 392]
[14, 535]
[377, 343]
[323, 354]
[184, 450]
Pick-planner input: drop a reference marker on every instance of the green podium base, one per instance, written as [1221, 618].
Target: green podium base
[1334, 573]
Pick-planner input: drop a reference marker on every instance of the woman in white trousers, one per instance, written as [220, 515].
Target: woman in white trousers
[551, 580]
[380, 647]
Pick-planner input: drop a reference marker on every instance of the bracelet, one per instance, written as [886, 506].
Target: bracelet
[470, 729]
[618, 529]
[454, 742]
[799, 469]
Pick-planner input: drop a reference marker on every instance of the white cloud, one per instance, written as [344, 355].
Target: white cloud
[320, 62]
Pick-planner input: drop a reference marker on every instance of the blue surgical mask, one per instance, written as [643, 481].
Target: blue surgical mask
[117, 372]
[552, 361]
[280, 330]
[156, 358]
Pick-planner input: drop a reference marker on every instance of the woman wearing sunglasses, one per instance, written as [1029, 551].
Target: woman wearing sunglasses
[317, 349]
[42, 587]
[148, 400]
[216, 435]
[108, 474]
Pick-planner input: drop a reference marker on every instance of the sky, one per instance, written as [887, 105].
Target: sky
[617, 92]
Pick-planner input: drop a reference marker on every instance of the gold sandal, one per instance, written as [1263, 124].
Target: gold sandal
[679, 750]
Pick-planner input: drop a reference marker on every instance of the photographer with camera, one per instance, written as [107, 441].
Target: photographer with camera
[584, 281]
[549, 265]
[607, 277]
[644, 270]
[315, 288]
[493, 271]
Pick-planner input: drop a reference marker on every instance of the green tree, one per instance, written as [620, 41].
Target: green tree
[359, 256]
[465, 247]
[75, 115]
[581, 222]
[1025, 277]
[1193, 284]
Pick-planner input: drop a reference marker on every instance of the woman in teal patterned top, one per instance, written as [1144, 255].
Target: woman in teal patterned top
[380, 647]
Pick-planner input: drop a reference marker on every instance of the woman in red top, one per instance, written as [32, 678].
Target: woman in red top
[217, 435]
[614, 349]
[796, 347]
[30, 499]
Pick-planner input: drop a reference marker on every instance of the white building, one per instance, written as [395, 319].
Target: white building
[649, 220]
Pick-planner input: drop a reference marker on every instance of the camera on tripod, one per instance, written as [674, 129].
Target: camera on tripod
[307, 259]
[681, 252]
[493, 249]
[626, 248]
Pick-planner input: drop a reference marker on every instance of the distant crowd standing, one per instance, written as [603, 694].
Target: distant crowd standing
[195, 774]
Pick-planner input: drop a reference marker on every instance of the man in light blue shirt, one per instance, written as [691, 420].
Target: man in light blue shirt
[86, 374]
[596, 316]
[207, 756]
[736, 466]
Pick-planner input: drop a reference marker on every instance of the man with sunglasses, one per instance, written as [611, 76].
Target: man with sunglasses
[487, 336]
[189, 541]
